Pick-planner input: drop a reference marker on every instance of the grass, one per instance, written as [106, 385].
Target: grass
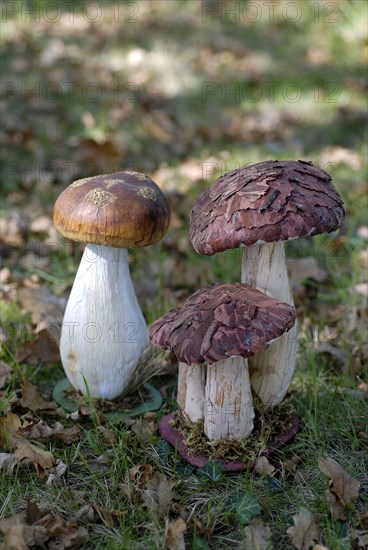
[185, 140]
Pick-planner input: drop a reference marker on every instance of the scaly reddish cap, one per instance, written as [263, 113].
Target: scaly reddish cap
[265, 202]
[222, 320]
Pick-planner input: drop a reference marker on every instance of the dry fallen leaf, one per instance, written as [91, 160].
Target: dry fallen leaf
[159, 494]
[11, 438]
[9, 426]
[42, 350]
[88, 512]
[40, 457]
[47, 309]
[262, 466]
[342, 489]
[139, 474]
[33, 400]
[18, 535]
[257, 536]
[143, 430]
[42, 431]
[39, 527]
[305, 531]
[56, 472]
[175, 535]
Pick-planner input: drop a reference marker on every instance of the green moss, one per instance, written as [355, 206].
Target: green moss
[267, 425]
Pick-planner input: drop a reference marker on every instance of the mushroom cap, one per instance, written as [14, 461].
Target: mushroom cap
[222, 320]
[266, 202]
[123, 210]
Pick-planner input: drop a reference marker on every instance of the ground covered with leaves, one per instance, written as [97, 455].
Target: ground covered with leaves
[184, 91]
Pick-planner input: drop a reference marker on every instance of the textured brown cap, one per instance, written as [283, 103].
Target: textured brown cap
[123, 210]
[265, 202]
[222, 320]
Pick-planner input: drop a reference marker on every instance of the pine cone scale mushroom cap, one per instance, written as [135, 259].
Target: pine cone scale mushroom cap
[265, 202]
[220, 321]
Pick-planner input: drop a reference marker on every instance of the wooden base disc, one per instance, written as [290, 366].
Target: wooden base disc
[175, 438]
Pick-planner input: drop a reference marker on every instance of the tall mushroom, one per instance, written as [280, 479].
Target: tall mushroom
[104, 332]
[259, 207]
[222, 325]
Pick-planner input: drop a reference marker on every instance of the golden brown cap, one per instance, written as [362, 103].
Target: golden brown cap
[123, 210]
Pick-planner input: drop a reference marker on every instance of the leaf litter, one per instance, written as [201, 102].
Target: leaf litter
[305, 532]
[342, 490]
[159, 493]
[257, 536]
[41, 529]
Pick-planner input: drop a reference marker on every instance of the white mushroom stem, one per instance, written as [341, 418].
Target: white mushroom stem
[104, 332]
[229, 409]
[271, 371]
[191, 384]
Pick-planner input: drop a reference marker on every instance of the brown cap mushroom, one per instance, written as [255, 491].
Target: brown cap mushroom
[123, 210]
[104, 333]
[221, 324]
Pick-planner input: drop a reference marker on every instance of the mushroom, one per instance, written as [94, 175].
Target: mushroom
[222, 324]
[259, 207]
[104, 333]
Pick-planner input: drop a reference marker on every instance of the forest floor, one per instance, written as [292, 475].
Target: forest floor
[184, 91]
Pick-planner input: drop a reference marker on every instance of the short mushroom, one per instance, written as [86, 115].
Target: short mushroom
[222, 324]
[259, 207]
[104, 332]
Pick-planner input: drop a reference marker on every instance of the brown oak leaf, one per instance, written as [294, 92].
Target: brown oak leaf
[41, 528]
[257, 536]
[33, 400]
[39, 457]
[305, 531]
[42, 431]
[159, 494]
[342, 489]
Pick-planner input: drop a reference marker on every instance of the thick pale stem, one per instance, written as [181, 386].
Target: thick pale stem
[104, 332]
[191, 390]
[229, 409]
[271, 371]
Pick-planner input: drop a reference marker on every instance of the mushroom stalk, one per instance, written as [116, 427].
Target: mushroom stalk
[229, 409]
[104, 332]
[191, 385]
[271, 371]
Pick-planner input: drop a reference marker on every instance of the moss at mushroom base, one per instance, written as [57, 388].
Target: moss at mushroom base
[272, 430]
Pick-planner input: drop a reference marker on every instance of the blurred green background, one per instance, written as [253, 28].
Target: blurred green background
[183, 90]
